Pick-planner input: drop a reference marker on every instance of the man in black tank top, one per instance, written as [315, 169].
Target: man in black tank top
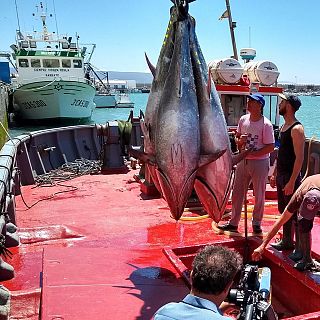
[287, 175]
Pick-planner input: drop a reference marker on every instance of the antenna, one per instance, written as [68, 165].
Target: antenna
[55, 18]
[15, 1]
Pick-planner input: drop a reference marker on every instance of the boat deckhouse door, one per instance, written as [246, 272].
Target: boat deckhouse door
[234, 106]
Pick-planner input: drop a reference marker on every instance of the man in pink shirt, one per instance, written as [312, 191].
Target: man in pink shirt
[254, 132]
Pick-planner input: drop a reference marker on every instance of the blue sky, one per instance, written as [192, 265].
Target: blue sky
[282, 31]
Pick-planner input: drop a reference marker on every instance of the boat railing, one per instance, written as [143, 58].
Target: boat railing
[9, 186]
[54, 79]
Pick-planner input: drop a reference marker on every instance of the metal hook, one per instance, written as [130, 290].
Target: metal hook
[182, 6]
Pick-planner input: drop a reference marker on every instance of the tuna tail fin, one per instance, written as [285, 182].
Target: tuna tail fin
[150, 65]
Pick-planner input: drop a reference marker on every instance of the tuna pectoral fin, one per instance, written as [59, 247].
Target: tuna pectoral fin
[208, 200]
[214, 198]
[140, 155]
[236, 158]
[208, 158]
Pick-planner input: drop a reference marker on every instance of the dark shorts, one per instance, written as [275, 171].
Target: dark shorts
[283, 200]
[305, 225]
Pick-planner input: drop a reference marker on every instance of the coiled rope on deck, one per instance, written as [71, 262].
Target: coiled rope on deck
[66, 172]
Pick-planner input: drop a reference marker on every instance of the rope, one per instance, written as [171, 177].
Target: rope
[194, 218]
[6, 131]
[67, 171]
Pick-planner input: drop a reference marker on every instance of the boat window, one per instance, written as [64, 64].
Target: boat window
[33, 44]
[77, 63]
[23, 63]
[234, 106]
[51, 63]
[66, 63]
[35, 63]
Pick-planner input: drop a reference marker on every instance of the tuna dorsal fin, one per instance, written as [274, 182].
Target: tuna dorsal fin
[150, 65]
[208, 158]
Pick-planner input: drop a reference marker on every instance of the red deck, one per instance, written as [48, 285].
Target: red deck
[96, 253]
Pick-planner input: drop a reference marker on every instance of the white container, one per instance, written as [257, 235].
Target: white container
[227, 70]
[264, 72]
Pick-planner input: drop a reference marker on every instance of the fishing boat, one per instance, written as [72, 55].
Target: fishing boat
[145, 89]
[105, 100]
[124, 101]
[96, 240]
[51, 83]
[104, 97]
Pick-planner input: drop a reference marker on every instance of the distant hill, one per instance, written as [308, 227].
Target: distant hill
[140, 77]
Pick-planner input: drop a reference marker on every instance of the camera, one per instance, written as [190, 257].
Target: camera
[252, 294]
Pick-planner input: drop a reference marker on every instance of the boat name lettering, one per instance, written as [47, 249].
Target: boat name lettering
[80, 103]
[51, 70]
[52, 75]
[48, 53]
[34, 104]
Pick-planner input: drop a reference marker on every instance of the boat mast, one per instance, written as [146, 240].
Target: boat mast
[232, 25]
[55, 18]
[18, 20]
[43, 16]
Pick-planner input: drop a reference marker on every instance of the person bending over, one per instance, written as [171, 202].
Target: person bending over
[306, 200]
[213, 271]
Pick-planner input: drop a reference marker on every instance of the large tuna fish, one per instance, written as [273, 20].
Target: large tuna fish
[214, 181]
[177, 138]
